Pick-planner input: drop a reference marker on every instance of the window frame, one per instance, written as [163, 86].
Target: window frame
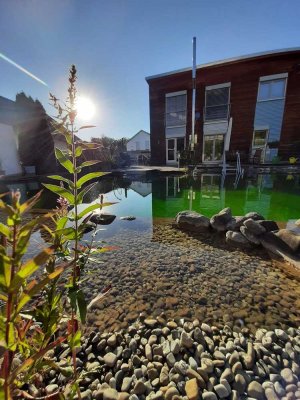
[269, 79]
[213, 87]
[175, 94]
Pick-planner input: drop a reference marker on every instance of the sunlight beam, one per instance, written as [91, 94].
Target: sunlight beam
[22, 69]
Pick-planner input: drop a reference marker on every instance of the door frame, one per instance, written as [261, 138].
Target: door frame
[175, 161]
[212, 161]
[264, 148]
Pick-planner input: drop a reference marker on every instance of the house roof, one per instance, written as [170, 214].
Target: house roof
[228, 60]
[141, 131]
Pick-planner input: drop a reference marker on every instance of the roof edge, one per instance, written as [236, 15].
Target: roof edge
[225, 61]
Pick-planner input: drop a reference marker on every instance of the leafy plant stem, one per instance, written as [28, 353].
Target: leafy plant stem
[9, 354]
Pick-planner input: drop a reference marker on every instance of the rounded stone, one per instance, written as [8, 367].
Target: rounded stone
[255, 390]
[221, 391]
[191, 389]
[287, 375]
[110, 359]
[110, 394]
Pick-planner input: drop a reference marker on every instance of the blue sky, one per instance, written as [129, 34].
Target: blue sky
[116, 43]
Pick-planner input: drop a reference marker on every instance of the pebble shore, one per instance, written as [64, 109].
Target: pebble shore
[189, 276]
[156, 359]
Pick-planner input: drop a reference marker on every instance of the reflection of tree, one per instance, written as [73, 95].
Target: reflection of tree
[106, 185]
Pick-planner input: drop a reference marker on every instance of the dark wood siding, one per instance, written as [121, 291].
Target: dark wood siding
[244, 77]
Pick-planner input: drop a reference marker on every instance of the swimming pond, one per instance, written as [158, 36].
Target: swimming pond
[156, 268]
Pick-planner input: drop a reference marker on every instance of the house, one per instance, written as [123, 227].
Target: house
[9, 156]
[253, 101]
[138, 147]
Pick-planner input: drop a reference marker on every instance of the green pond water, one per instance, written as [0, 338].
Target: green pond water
[276, 197]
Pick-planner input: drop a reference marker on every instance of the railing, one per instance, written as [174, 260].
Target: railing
[216, 113]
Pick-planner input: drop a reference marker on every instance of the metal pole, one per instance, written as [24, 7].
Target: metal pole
[194, 94]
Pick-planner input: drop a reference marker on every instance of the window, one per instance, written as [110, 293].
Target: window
[175, 109]
[217, 103]
[260, 138]
[147, 145]
[271, 90]
[137, 145]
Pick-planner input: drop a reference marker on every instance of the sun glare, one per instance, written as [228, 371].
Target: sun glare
[85, 108]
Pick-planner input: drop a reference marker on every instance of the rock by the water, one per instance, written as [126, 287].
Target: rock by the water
[128, 218]
[249, 235]
[221, 221]
[269, 225]
[102, 218]
[290, 238]
[254, 227]
[254, 215]
[192, 221]
[237, 239]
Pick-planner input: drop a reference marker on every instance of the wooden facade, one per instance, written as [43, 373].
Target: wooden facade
[244, 75]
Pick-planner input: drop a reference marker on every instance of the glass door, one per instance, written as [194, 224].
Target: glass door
[259, 145]
[213, 148]
[174, 146]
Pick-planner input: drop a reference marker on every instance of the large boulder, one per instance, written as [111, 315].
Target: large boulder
[290, 238]
[192, 221]
[273, 243]
[249, 235]
[254, 215]
[102, 218]
[222, 220]
[237, 239]
[236, 223]
[269, 225]
[254, 227]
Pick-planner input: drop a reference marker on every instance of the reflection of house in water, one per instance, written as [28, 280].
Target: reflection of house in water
[259, 195]
[212, 193]
[142, 188]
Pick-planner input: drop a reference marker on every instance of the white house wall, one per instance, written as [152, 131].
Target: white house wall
[139, 142]
[9, 157]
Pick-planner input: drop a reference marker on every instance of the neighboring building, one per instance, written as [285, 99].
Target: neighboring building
[9, 156]
[138, 147]
[258, 93]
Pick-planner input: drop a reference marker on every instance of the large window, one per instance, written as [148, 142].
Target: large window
[217, 103]
[175, 109]
[271, 89]
[213, 148]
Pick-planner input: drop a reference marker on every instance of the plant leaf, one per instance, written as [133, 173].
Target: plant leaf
[4, 230]
[30, 203]
[35, 287]
[78, 151]
[93, 207]
[61, 223]
[69, 233]
[29, 268]
[61, 178]
[88, 163]
[81, 306]
[60, 191]
[84, 192]
[89, 146]
[64, 161]
[88, 177]
[87, 127]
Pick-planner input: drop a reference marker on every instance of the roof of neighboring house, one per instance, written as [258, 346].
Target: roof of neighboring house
[228, 60]
[141, 131]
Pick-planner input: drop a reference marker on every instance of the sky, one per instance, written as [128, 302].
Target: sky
[115, 44]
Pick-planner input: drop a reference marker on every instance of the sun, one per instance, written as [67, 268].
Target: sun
[85, 108]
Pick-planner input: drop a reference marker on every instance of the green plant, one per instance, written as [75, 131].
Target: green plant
[16, 329]
[19, 285]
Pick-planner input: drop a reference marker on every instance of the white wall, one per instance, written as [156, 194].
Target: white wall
[9, 156]
[139, 142]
